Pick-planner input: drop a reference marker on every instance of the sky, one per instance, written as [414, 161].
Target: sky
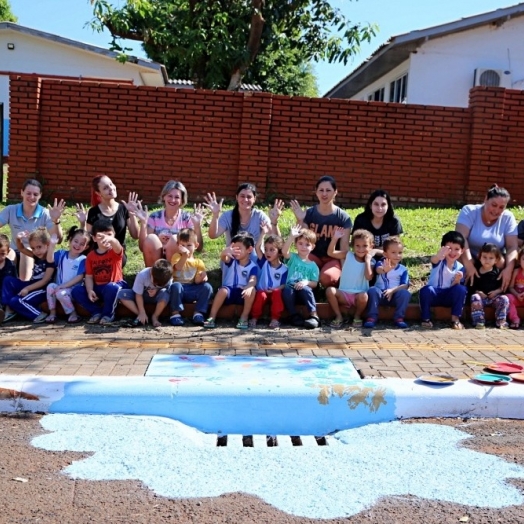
[68, 18]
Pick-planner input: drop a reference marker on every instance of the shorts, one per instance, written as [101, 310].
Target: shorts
[234, 295]
[349, 298]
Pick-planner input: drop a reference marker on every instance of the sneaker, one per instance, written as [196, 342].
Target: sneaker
[480, 325]
[176, 320]
[198, 319]
[370, 323]
[312, 322]
[400, 323]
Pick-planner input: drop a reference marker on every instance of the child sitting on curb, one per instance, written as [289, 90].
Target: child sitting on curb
[151, 286]
[189, 280]
[302, 277]
[272, 278]
[240, 279]
[391, 286]
[445, 285]
[104, 278]
[357, 271]
[7, 267]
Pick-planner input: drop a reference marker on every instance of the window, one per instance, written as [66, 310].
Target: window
[398, 89]
[377, 96]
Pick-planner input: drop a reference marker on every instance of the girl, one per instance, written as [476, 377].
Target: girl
[379, 218]
[486, 289]
[70, 266]
[516, 292]
[272, 279]
[322, 219]
[25, 297]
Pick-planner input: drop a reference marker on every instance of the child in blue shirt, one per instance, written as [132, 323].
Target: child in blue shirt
[239, 280]
[445, 285]
[391, 286]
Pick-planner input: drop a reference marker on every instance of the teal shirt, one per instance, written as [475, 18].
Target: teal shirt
[298, 269]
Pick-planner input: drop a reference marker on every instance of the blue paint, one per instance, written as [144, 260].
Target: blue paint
[291, 408]
[358, 466]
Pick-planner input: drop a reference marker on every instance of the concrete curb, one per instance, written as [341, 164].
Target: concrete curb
[245, 408]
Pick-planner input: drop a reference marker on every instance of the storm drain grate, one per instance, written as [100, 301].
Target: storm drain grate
[270, 441]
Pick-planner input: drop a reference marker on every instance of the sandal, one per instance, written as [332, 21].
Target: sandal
[242, 324]
[95, 319]
[427, 324]
[252, 323]
[209, 323]
[274, 324]
[358, 323]
[40, 319]
[336, 323]
[73, 319]
[132, 323]
[51, 319]
[457, 324]
[503, 325]
[104, 321]
[514, 325]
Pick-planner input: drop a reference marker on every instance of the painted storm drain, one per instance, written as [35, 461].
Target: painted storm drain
[371, 398]
[392, 459]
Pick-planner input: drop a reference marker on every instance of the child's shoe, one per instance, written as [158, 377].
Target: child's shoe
[480, 325]
[400, 323]
[312, 322]
[503, 325]
[242, 324]
[370, 323]
[274, 324]
[296, 320]
[210, 323]
[252, 323]
[176, 320]
[198, 319]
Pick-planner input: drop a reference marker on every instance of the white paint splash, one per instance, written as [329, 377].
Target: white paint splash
[358, 467]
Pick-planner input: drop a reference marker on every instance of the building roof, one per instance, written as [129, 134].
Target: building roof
[188, 84]
[398, 49]
[132, 61]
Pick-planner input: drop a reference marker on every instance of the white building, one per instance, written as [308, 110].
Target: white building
[27, 51]
[439, 65]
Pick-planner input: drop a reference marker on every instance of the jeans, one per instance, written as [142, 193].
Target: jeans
[400, 299]
[291, 296]
[189, 293]
[107, 294]
[453, 297]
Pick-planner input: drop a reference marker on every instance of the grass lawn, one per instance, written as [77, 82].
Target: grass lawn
[423, 229]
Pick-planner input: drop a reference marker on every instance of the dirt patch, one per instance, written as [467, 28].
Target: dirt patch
[49, 496]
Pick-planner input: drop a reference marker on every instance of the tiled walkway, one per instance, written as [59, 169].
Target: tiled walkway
[383, 352]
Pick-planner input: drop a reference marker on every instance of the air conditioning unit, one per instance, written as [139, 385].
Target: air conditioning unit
[492, 78]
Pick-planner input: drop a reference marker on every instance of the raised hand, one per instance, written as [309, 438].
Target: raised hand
[300, 214]
[56, 211]
[54, 239]
[81, 213]
[295, 230]
[132, 201]
[443, 251]
[276, 210]
[141, 212]
[387, 265]
[198, 214]
[212, 203]
[264, 228]
[338, 232]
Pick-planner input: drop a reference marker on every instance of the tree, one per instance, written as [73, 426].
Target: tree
[6, 15]
[219, 43]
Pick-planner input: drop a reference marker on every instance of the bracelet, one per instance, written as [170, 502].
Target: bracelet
[274, 223]
[57, 222]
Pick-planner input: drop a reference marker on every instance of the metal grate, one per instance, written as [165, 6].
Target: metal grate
[270, 441]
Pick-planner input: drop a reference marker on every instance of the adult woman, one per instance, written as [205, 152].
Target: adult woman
[489, 222]
[322, 219]
[379, 218]
[104, 205]
[28, 216]
[243, 217]
[159, 230]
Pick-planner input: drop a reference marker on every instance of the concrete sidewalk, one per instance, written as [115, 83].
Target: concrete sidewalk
[87, 350]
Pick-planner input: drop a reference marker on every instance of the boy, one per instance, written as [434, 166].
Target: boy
[240, 279]
[151, 286]
[445, 285]
[357, 271]
[391, 287]
[190, 280]
[7, 267]
[104, 278]
[302, 277]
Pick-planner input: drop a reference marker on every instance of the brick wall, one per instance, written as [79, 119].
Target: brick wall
[66, 132]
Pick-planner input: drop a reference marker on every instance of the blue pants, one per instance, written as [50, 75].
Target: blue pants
[28, 306]
[107, 294]
[400, 299]
[453, 297]
[189, 293]
[292, 296]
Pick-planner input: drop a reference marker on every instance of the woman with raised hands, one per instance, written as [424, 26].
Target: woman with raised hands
[243, 217]
[104, 205]
[323, 218]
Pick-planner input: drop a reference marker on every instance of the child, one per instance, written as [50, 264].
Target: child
[190, 280]
[445, 286]
[240, 279]
[71, 268]
[151, 286]
[302, 277]
[357, 271]
[486, 289]
[25, 297]
[516, 292]
[7, 267]
[391, 286]
[104, 278]
[272, 278]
